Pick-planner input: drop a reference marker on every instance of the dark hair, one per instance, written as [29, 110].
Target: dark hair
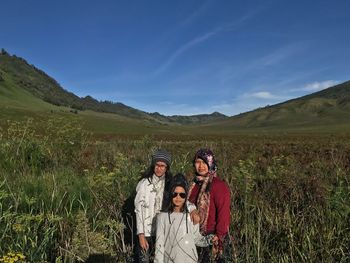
[178, 180]
[171, 204]
[158, 155]
[148, 173]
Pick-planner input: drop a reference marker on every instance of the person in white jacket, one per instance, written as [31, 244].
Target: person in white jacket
[177, 236]
[152, 195]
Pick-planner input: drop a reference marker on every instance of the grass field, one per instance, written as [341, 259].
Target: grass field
[64, 193]
[67, 177]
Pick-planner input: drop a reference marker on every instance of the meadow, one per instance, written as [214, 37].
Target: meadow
[65, 194]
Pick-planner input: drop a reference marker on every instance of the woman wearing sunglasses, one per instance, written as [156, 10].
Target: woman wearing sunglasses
[177, 236]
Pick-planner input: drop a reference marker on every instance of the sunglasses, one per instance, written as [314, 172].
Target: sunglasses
[182, 195]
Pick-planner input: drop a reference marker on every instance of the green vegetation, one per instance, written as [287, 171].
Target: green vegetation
[16, 75]
[63, 193]
[26, 91]
[67, 175]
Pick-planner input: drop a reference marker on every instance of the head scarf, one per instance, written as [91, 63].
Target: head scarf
[208, 157]
[204, 182]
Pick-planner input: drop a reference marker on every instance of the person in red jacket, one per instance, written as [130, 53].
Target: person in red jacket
[211, 195]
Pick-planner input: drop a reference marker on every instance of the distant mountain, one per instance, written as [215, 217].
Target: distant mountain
[15, 72]
[192, 119]
[326, 109]
[25, 88]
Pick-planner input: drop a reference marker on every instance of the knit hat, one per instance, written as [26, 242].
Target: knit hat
[179, 180]
[208, 157]
[161, 156]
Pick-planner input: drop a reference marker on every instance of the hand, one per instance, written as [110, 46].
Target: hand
[216, 249]
[143, 242]
[195, 218]
[215, 240]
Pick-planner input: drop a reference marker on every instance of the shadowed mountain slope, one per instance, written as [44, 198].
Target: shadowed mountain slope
[17, 73]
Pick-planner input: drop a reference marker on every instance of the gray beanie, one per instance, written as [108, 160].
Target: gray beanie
[161, 156]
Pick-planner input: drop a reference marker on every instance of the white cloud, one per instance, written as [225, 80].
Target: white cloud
[170, 108]
[182, 49]
[316, 86]
[247, 102]
[276, 58]
[263, 95]
[198, 40]
[203, 8]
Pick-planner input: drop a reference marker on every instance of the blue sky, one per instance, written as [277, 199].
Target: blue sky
[183, 57]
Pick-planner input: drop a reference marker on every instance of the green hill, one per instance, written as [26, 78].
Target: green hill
[326, 110]
[17, 73]
[26, 91]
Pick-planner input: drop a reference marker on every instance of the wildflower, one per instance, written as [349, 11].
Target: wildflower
[11, 257]
[18, 227]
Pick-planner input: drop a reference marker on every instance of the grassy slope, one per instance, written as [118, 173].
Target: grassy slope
[38, 83]
[18, 104]
[321, 112]
[324, 111]
[316, 115]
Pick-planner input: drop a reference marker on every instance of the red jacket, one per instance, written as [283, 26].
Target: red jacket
[219, 208]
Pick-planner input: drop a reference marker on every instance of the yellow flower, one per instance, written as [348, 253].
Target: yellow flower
[11, 257]
[21, 256]
[17, 228]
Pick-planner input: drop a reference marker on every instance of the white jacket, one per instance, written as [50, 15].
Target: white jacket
[175, 242]
[148, 203]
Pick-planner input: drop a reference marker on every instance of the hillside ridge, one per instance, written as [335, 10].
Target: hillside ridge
[326, 109]
[23, 75]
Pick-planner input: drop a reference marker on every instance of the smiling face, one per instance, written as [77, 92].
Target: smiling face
[201, 167]
[160, 168]
[179, 198]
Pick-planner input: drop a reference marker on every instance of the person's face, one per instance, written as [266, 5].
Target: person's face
[160, 168]
[201, 167]
[179, 196]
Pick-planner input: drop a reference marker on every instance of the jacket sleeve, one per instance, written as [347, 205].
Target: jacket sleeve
[222, 203]
[139, 202]
[160, 240]
[190, 206]
[199, 240]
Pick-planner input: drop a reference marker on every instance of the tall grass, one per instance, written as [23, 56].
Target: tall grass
[65, 196]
